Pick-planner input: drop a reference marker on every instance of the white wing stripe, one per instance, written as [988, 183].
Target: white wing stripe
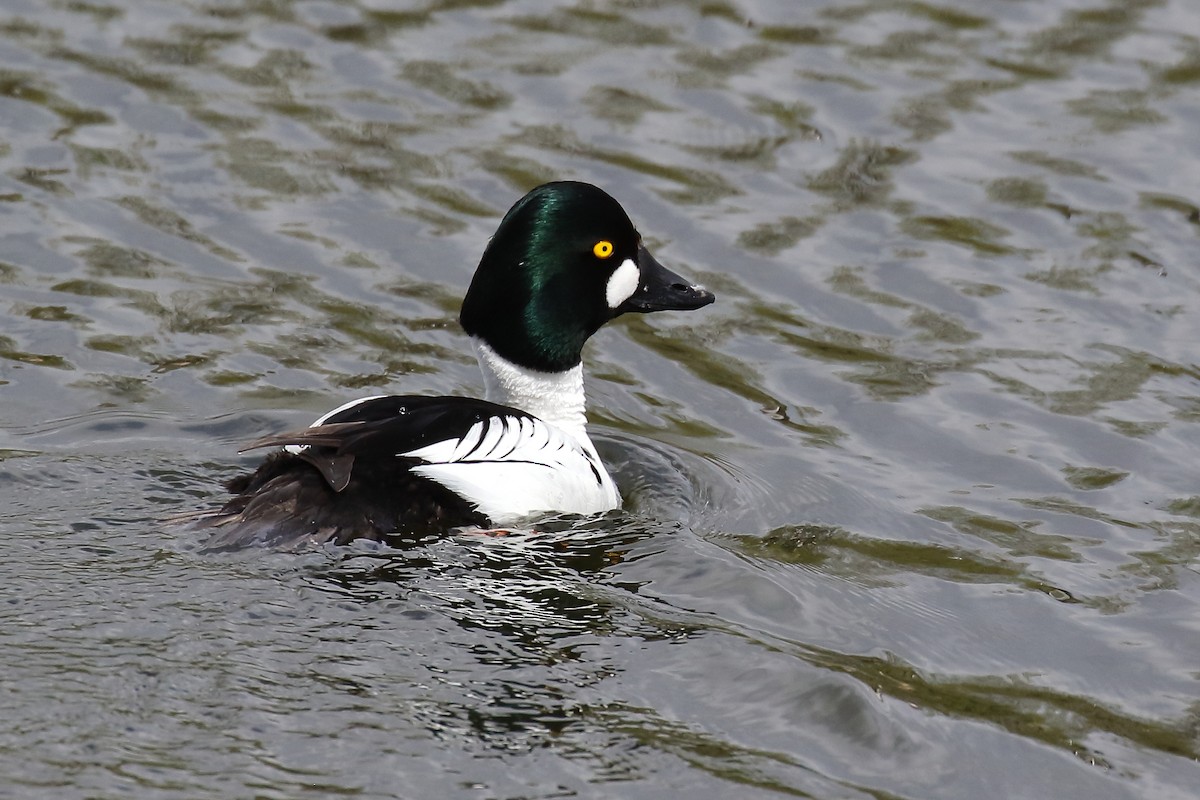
[514, 466]
[497, 439]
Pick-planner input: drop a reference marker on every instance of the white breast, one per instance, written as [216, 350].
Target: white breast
[512, 467]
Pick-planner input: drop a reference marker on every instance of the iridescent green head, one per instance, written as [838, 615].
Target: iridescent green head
[565, 260]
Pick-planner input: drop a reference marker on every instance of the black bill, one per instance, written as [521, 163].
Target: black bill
[660, 289]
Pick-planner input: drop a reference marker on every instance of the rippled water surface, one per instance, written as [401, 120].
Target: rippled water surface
[912, 512]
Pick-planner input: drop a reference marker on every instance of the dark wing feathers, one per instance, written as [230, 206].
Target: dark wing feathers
[333, 435]
[348, 483]
[286, 503]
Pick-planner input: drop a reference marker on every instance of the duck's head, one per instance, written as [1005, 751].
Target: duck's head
[564, 261]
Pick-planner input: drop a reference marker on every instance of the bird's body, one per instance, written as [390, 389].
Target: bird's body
[564, 260]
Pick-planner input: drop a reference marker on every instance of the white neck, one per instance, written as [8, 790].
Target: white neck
[555, 397]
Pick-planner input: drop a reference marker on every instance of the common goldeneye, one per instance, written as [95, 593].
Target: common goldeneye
[565, 260]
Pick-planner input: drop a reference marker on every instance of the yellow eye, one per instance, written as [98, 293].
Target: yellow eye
[603, 249]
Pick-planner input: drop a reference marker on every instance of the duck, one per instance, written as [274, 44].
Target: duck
[565, 260]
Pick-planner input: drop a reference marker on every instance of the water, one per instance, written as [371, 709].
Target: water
[913, 511]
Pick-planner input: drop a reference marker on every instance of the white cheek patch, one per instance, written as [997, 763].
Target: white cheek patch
[623, 283]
